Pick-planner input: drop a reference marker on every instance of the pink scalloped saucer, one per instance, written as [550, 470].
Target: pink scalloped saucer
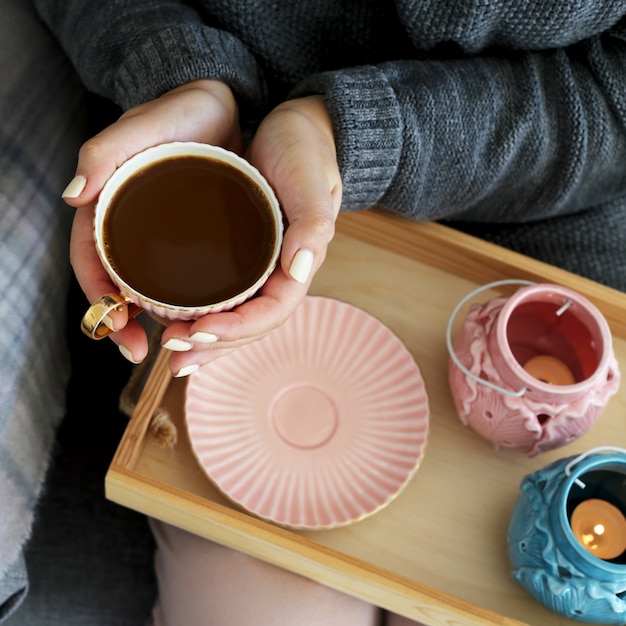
[321, 423]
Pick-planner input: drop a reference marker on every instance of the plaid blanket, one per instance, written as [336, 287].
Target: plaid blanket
[40, 102]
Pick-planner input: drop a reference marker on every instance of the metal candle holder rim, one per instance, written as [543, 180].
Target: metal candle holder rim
[453, 355]
[600, 566]
[584, 455]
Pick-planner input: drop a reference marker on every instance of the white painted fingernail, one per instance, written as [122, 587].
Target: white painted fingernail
[108, 322]
[301, 265]
[204, 337]
[127, 354]
[177, 345]
[188, 369]
[75, 188]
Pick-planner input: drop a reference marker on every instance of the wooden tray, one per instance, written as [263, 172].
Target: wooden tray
[438, 552]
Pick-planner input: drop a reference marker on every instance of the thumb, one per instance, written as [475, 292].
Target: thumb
[294, 149]
[202, 110]
[311, 214]
[101, 155]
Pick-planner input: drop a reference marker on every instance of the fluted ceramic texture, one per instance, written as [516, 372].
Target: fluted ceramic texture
[321, 423]
[525, 424]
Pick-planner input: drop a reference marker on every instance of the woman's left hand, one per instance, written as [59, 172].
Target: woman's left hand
[294, 149]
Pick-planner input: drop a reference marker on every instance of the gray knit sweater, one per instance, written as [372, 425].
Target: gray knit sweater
[464, 109]
[471, 109]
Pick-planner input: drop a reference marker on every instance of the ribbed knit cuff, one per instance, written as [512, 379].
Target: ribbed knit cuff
[368, 130]
[173, 57]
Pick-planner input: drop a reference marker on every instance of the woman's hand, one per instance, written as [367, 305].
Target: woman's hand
[294, 149]
[204, 111]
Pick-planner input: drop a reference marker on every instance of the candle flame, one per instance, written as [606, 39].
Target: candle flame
[605, 538]
[590, 539]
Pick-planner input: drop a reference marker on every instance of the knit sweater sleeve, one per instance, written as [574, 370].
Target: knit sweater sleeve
[502, 137]
[132, 52]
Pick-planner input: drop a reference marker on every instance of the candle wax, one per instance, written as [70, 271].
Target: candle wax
[600, 528]
[549, 369]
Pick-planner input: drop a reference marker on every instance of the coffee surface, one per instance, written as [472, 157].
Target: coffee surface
[189, 231]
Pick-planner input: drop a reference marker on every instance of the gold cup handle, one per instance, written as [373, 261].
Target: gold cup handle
[93, 324]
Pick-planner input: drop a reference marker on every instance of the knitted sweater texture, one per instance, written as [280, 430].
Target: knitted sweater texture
[465, 109]
[480, 110]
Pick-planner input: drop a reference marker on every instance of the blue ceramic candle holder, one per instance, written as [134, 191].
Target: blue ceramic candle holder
[547, 557]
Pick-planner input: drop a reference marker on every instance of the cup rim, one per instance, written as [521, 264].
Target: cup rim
[149, 157]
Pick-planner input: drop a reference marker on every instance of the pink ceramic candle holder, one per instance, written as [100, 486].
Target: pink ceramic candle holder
[533, 371]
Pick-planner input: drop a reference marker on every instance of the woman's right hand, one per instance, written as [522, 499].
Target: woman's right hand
[203, 111]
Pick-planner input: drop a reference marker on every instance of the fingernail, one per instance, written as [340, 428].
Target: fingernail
[301, 265]
[177, 345]
[75, 188]
[204, 337]
[108, 322]
[127, 354]
[188, 369]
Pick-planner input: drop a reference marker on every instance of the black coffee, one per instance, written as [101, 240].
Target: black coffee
[189, 231]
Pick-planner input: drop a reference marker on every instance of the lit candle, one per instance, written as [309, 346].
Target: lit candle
[600, 527]
[549, 369]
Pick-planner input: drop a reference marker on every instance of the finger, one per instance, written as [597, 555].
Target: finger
[183, 364]
[101, 155]
[194, 343]
[311, 209]
[247, 322]
[311, 229]
[90, 274]
[188, 113]
[295, 150]
[132, 341]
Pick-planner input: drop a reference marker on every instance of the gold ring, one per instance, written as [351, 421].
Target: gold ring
[93, 324]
